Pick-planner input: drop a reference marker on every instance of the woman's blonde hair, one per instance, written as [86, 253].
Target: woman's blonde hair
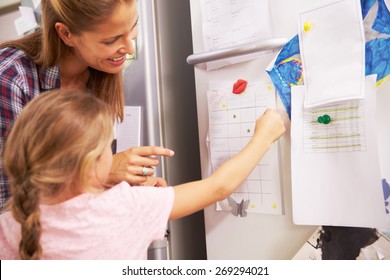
[52, 147]
[47, 49]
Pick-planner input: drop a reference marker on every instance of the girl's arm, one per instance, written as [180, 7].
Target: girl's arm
[194, 196]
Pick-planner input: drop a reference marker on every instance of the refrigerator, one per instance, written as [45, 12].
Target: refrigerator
[256, 236]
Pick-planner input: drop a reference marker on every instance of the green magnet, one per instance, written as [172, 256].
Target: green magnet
[325, 119]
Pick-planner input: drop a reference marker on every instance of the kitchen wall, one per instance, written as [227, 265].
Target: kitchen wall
[8, 13]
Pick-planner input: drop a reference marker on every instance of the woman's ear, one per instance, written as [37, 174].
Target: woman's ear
[64, 33]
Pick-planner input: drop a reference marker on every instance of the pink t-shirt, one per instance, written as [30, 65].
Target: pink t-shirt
[119, 223]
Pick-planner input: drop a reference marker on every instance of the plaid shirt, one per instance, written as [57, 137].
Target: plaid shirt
[20, 81]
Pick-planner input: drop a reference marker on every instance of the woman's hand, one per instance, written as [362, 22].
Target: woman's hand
[135, 166]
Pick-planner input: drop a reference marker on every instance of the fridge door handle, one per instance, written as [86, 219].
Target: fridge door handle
[238, 50]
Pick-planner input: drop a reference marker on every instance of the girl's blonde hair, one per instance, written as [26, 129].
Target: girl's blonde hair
[52, 147]
[47, 49]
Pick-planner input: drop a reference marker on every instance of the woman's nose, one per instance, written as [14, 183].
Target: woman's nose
[128, 47]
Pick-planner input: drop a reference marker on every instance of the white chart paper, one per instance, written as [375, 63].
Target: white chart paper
[336, 178]
[232, 119]
[227, 23]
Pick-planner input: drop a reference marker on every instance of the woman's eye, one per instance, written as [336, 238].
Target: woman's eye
[110, 42]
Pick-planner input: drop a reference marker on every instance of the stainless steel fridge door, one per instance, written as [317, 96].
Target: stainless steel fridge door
[257, 236]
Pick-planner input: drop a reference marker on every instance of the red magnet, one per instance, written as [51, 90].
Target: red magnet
[239, 86]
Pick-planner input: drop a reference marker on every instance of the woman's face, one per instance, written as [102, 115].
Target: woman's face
[105, 47]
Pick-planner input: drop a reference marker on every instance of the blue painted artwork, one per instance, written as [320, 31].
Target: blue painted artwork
[366, 6]
[378, 58]
[382, 20]
[287, 72]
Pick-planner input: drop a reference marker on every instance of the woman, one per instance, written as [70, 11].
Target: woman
[82, 44]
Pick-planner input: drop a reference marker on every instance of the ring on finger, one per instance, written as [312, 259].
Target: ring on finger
[145, 171]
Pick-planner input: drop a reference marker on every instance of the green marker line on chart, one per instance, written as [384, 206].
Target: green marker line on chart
[335, 137]
[327, 110]
[337, 147]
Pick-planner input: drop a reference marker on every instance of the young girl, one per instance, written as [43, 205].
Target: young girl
[58, 157]
[81, 44]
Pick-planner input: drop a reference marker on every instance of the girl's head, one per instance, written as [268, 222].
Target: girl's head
[59, 147]
[98, 33]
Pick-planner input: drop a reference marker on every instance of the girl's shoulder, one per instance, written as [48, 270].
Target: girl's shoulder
[121, 196]
[10, 234]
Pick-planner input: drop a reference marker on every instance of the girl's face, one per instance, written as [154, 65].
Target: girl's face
[105, 47]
